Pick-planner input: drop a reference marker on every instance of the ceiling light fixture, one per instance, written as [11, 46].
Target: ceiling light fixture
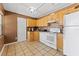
[32, 9]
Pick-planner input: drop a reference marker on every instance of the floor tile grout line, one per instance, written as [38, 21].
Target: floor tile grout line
[15, 49]
[31, 51]
[55, 53]
[38, 50]
[28, 46]
[52, 48]
[21, 48]
[23, 52]
[43, 48]
[7, 49]
[47, 51]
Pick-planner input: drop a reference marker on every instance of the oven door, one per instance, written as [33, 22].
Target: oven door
[51, 39]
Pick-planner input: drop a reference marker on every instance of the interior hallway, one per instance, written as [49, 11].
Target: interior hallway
[29, 49]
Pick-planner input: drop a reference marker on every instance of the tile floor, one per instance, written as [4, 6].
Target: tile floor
[29, 49]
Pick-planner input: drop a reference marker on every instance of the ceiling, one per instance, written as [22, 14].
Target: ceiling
[35, 10]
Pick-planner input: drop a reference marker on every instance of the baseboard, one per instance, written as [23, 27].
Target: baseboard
[14, 42]
[10, 43]
[2, 50]
[6, 45]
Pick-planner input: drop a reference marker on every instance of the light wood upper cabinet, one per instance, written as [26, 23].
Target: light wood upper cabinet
[59, 18]
[52, 17]
[42, 21]
[39, 22]
[31, 22]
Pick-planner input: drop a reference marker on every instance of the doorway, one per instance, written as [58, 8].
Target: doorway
[21, 29]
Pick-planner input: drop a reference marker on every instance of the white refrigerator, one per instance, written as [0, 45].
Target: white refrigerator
[71, 34]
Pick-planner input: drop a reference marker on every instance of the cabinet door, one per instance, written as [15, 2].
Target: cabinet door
[38, 23]
[59, 18]
[28, 22]
[36, 36]
[60, 41]
[45, 21]
[31, 22]
[30, 36]
[42, 22]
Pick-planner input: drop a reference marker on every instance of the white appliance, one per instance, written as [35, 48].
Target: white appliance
[71, 34]
[52, 39]
[21, 29]
[54, 30]
[48, 39]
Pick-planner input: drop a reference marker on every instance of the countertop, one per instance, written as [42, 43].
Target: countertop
[37, 31]
[45, 31]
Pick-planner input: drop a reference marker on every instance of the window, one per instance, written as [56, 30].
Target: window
[0, 24]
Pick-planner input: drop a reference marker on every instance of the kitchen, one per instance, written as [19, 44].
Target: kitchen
[51, 18]
[47, 29]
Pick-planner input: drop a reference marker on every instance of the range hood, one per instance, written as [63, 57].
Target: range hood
[51, 21]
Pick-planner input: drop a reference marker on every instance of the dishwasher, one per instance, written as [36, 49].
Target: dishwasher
[52, 40]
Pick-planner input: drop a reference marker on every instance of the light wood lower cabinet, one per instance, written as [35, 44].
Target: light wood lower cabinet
[36, 36]
[60, 41]
[30, 36]
[33, 36]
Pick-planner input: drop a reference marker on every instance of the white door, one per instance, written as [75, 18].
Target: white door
[21, 29]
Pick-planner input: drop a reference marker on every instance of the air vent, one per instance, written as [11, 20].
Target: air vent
[77, 7]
